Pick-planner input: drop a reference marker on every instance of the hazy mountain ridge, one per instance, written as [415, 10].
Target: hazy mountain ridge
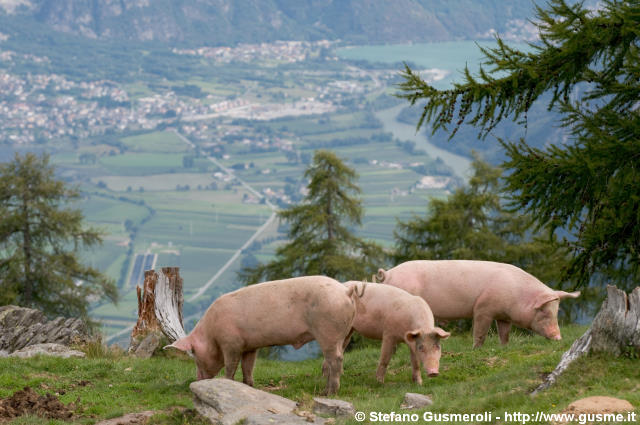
[224, 22]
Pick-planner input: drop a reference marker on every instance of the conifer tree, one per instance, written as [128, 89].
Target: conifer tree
[473, 223]
[321, 241]
[588, 60]
[41, 240]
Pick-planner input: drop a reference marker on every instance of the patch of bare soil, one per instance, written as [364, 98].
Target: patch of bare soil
[27, 401]
[495, 360]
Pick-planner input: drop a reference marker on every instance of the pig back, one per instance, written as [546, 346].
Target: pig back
[288, 311]
[386, 309]
[450, 287]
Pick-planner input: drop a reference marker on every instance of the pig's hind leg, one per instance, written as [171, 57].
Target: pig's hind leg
[325, 365]
[248, 361]
[347, 339]
[332, 365]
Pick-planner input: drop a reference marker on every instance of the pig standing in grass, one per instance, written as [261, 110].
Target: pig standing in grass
[395, 316]
[290, 311]
[484, 291]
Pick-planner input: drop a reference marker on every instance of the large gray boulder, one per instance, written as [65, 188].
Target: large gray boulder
[47, 349]
[228, 402]
[21, 327]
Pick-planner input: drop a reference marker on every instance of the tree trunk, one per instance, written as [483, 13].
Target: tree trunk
[27, 251]
[615, 330]
[159, 311]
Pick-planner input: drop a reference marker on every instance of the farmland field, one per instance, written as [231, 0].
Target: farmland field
[148, 202]
[157, 141]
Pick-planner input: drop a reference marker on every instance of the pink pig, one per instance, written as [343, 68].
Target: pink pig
[484, 291]
[290, 311]
[395, 316]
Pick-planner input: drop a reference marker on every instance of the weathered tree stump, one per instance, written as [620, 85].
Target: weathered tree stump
[159, 311]
[615, 330]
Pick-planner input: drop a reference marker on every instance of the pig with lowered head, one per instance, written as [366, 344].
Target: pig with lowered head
[290, 311]
[395, 316]
[484, 291]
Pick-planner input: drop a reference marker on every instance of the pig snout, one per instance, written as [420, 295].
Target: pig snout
[432, 367]
[553, 333]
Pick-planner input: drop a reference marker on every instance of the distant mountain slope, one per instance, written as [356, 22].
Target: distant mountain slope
[224, 22]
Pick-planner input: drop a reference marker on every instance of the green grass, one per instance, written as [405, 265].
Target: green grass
[493, 379]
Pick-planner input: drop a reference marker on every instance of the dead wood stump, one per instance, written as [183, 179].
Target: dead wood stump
[615, 330]
[159, 311]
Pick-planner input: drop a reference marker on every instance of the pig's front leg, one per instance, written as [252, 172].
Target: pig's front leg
[248, 361]
[388, 347]
[231, 360]
[481, 325]
[503, 331]
[415, 367]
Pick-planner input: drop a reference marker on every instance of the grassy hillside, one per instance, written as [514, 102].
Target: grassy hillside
[493, 379]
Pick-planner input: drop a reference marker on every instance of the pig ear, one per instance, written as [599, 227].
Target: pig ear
[411, 336]
[183, 344]
[543, 299]
[440, 333]
[564, 295]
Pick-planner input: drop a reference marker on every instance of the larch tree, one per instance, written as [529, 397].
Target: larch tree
[474, 223]
[321, 241]
[589, 186]
[42, 239]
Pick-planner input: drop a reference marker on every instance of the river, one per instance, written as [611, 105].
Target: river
[449, 57]
[461, 165]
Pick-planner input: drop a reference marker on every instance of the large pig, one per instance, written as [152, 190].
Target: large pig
[484, 291]
[395, 316]
[290, 311]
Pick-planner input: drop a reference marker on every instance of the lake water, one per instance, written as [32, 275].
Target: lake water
[451, 56]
